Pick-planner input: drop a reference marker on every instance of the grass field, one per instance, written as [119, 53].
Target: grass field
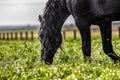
[20, 60]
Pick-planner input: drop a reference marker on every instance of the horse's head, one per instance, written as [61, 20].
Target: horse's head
[46, 49]
[50, 32]
[50, 40]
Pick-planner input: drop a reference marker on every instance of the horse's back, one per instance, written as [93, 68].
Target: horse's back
[105, 7]
[96, 7]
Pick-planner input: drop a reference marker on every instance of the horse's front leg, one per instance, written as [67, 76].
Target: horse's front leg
[84, 29]
[106, 41]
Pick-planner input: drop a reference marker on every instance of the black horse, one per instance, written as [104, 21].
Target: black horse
[85, 13]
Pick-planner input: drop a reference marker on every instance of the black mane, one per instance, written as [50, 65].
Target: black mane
[51, 12]
[51, 15]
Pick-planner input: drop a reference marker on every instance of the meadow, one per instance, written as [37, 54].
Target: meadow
[20, 60]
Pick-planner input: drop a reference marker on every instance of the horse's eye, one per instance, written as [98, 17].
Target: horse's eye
[41, 35]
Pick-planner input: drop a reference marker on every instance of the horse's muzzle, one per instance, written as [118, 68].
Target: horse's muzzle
[47, 61]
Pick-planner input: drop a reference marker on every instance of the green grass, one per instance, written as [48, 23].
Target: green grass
[20, 60]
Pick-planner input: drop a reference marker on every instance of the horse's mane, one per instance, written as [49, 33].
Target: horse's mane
[52, 12]
[53, 5]
[51, 18]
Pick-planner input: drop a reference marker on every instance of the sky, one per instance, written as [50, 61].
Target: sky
[21, 12]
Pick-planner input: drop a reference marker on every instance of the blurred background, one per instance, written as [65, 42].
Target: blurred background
[19, 17]
[22, 12]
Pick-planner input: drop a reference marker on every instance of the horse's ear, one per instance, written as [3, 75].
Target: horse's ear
[40, 18]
